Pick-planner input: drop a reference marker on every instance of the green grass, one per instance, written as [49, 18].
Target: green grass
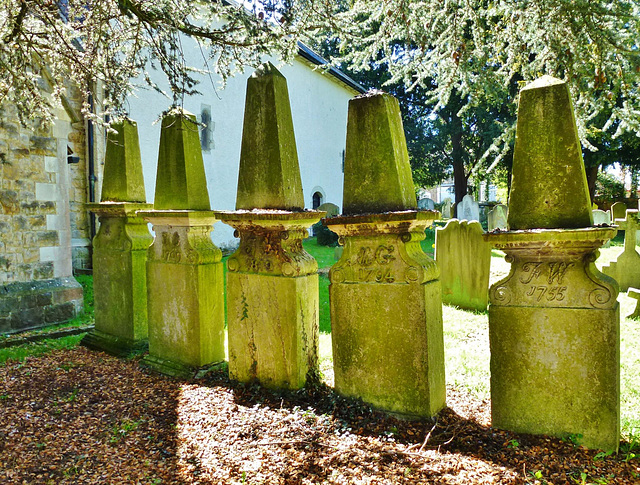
[20, 352]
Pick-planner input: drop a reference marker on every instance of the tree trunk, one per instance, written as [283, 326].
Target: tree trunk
[592, 175]
[459, 175]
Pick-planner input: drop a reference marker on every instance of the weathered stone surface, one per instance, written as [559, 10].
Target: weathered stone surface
[390, 355]
[331, 209]
[426, 204]
[377, 175]
[468, 209]
[549, 185]
[626, 269]
[619, 210]
[554, 334]
[497, 218]
[119, 279]
[184, 292]
[27, 305]
[601, 217]
[446, 209]
[180, 183]
[464, 260]
[123, 181]
[269, 176]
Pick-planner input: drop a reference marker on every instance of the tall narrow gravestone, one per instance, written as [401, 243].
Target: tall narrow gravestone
[120, 248]
[497, 218]
[626, 268]
[464, 260]
[554, 321]
[184, 270]
[386, 309]
[272, 282]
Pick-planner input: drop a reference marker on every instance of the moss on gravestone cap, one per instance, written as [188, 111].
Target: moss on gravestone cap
[181, 183]
[549, 185]
[122, 178]
[269, 176]
[377, 175]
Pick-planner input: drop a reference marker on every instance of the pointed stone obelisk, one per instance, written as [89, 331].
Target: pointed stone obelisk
[184, 270]
[386, 309]
[120, 248]
[272, 282]
[554, 321]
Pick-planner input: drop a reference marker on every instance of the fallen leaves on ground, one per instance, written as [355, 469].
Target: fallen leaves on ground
[78, 416]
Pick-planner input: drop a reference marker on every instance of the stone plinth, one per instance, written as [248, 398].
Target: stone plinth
[119, 278]
[272, 299]
[626, 269]
[386, 314]
[554, 336]
[464, 260]
[185, 292]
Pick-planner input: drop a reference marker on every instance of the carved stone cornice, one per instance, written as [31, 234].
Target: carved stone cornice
[271, 241]
[554, 268]
[182, 237]
[120, 227]
[383, 248]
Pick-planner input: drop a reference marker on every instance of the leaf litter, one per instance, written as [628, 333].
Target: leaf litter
[78, 416]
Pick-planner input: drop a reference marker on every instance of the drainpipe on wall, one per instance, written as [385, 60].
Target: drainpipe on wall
[92, 174]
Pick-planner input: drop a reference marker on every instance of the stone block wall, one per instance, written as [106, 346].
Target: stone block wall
[36, 283]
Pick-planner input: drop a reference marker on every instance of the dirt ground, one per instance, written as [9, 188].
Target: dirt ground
[80, 416]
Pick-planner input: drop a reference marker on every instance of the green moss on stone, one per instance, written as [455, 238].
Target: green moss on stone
[549, 185]
[123, 180]
[181, 183]
[377, 175]
[269, 176]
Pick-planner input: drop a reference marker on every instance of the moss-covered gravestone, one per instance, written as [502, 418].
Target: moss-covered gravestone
[386, 310]
[120, 248]
[554, 321]
[464, 260]
[618, 210]
[184, 270]
[626, 269]
[272, 282]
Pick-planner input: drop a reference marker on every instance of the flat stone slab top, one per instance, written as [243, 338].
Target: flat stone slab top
[386, 222]
[179, 217]
[549, 183]
[117, 208]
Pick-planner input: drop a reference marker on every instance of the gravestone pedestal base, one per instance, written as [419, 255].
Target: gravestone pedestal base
[386, 314]
[272, 299]
[186, 302]
[119, 280]
[554, 331]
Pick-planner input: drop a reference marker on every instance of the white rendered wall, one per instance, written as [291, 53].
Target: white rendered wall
[319, 104]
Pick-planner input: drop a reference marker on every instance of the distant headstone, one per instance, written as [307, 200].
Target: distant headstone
[446, 209]
[468, 209]
[464, 260]
[497, 218]
[554, 324]
[331, 209]
[626, 269]
[601, 217]
[426, 204]
[618, 210]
